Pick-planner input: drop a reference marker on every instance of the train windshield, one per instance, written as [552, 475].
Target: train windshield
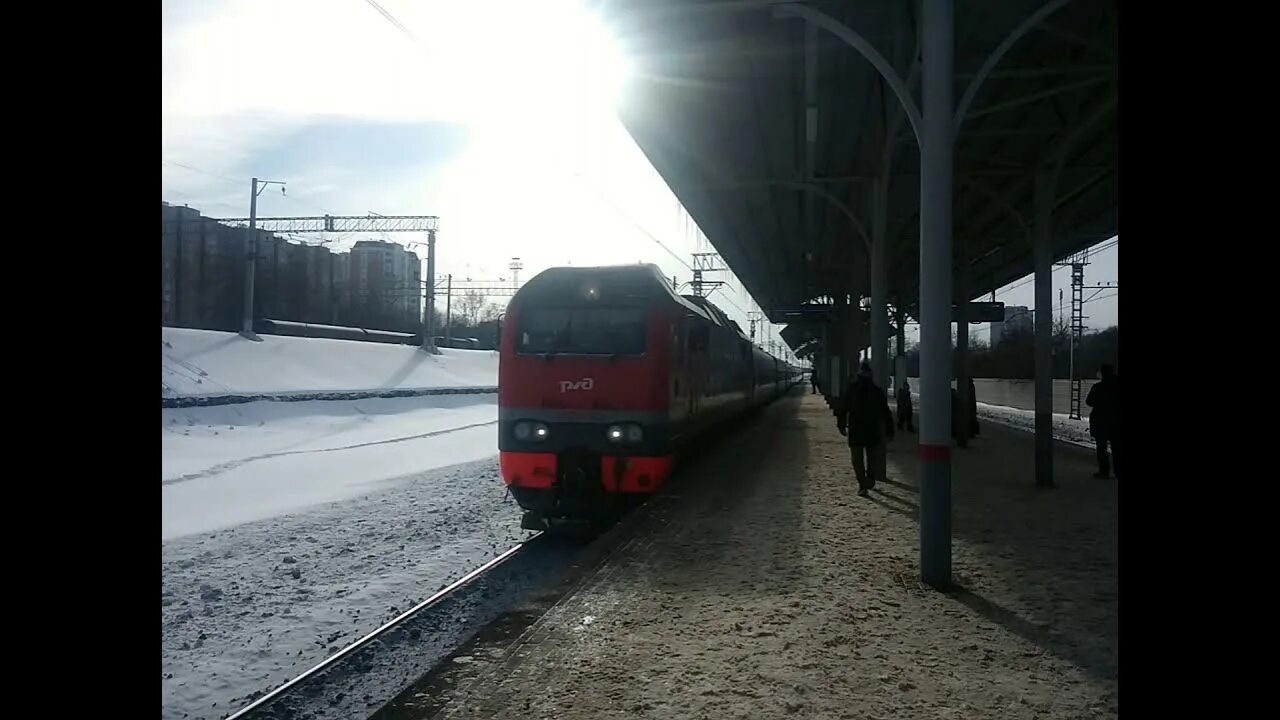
[582, 331]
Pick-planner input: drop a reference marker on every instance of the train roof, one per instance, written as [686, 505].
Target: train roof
[715, 314]
[643, 281]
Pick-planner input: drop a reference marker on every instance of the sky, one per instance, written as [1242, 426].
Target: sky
[1102, 303]
[506, 131]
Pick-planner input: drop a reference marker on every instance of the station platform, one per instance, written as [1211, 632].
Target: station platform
[762, 586]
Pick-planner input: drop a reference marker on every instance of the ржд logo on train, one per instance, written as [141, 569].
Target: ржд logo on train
[583, 384]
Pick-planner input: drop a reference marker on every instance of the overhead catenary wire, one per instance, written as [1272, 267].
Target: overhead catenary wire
[1029, 311]
[1031, 278]
[391, 19]
[202, 171]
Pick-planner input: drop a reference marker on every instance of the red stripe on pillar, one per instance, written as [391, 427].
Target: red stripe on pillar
[935, 452]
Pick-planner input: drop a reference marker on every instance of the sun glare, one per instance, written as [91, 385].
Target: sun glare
[547, 63]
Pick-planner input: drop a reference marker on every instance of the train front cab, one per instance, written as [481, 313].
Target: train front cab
[579, 484]
[583, 429]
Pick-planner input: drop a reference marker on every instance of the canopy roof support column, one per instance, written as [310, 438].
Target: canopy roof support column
[936, 166]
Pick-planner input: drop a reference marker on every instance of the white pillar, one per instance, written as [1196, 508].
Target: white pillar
[938, 19]
[1042, 252]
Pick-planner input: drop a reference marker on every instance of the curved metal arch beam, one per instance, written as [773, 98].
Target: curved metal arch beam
[895, 123]
[996, 55]
[840, 205]
[891, 146]
[859, 43]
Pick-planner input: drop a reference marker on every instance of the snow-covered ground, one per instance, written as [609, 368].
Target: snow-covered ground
[231, 464]
[1064, 428]
[248, 607]
[1076, 431]
[290, 529]
[208, 362]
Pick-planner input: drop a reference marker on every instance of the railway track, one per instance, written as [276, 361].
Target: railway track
[360, 678]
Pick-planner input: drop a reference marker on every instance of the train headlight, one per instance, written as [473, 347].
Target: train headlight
[628, 433]
[527, 431]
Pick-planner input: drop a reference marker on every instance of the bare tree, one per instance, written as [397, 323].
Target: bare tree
[491, 312]
[470, 305]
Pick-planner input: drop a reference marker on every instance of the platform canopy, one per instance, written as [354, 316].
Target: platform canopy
[773, 130]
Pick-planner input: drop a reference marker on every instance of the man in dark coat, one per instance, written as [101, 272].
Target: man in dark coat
[813, 382]
[865, 419]
[904, 408]
[1104, 419]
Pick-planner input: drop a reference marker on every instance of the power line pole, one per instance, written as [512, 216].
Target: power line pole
[251, 255]
[754, 317]
[706, 262]
[428, 334]
[516, 266]
[1077, 263]
[448, 308]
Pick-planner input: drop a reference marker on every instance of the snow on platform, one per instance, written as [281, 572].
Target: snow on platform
[207, 362]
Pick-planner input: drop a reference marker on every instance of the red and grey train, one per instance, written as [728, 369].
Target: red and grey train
[605, 375]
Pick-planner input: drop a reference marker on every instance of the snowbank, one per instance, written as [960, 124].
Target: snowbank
[227, 465]
[198, 363]
[1064, 427]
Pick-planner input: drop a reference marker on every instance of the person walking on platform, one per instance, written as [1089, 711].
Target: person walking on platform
[865, 420]
[1104, 419]
[904, 408]
[813, 382]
